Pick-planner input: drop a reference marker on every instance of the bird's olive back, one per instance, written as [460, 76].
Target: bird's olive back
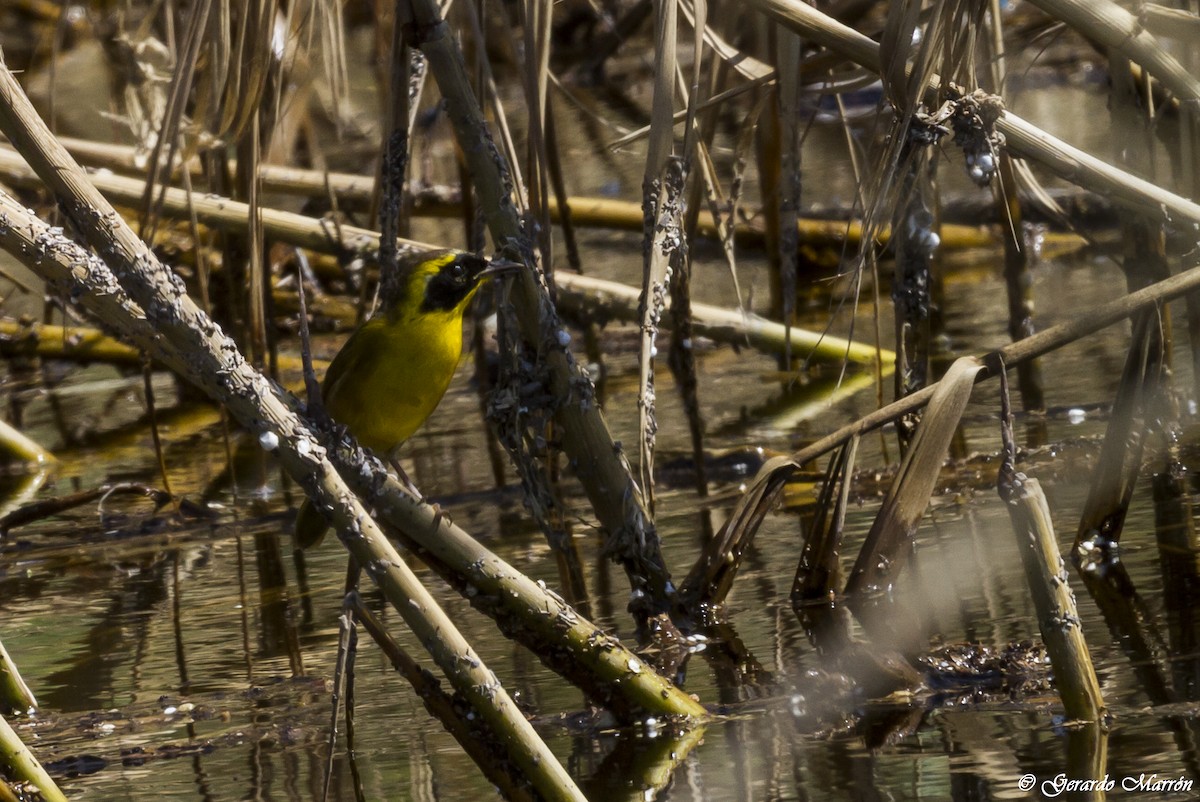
[453, 283]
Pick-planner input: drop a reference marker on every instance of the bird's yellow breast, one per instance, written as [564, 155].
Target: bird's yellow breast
[391, 374]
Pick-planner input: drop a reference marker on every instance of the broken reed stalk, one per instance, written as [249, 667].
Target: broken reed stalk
[15, 696]
[22, 448]
[22, 766]
[1046, 573]
[884, 550]
[591, 297]
[148, 304]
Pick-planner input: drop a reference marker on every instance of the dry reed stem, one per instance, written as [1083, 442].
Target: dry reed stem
[883, 551]
[588, 297]
[662, 241]
[22, 766]
[15, 695]
[22, 448]
[1046, 574]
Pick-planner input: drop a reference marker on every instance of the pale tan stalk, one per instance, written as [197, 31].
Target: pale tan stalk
[587, 296]
[19, 446]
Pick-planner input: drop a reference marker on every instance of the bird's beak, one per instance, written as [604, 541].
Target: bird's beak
[500, 266]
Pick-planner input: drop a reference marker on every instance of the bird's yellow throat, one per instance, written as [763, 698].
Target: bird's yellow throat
[394, 369]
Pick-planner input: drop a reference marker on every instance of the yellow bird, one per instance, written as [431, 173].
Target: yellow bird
[394, 369]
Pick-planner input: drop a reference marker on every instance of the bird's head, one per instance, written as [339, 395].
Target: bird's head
[445, 281]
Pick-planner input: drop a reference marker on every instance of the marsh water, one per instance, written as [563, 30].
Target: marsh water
[190, 658]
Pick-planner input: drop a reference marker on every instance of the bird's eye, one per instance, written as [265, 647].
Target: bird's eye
[458, 273]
